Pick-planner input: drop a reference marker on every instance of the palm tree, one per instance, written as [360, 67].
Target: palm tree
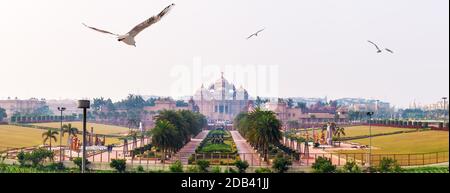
[132, 123]
[165, 137]
[49, 135]
[338, 132]
[134, 135]
[71, 131]
[265, 129]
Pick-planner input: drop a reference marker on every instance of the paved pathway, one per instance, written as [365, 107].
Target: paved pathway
[245, 150]
[190, 147]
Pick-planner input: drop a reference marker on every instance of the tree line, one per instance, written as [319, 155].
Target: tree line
[174, 129]
[261, 128]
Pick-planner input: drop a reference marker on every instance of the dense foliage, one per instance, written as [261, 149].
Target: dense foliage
[261, 128]
[323, 165]
[176, 167]
[175, 128]
[120, 165]
[241, 165]
[281, 164]
[35, 158]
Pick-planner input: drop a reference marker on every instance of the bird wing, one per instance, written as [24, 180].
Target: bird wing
[389, 50]
[152, 20]
[250, 36]
[260, 31]
[100, 30]
[374, 44]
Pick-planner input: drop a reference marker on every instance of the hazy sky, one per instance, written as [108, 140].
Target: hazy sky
[318, 46]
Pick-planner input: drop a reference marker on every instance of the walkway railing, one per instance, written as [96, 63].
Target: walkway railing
[254, 159]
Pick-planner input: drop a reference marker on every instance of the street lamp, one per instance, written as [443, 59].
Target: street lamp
[370, 114]
[445, 109]
[61, 109]
[84, 104]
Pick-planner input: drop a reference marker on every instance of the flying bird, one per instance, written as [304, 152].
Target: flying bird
[128, 38]
[255, 34]
[378, 48]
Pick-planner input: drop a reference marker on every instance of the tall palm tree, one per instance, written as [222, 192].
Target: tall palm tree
[132, 122]
[165, 137]
[338, 132]
[134, 135]
[177, 120]
[49, 135]
[71, 131]
[265, 129]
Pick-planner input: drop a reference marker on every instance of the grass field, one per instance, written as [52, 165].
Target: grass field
[423, 147]
[98, 128]
[440, 169]
[416, 142]
[364, 130]
[17, 137]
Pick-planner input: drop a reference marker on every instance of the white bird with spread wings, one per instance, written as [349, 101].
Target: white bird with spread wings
[128, 38]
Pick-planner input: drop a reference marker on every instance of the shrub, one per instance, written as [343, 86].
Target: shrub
[216, 169]
[241, 165]
[56, 166]
[203, 165]
[120, 165]
[191, 159]
[140, 169]
[323, 165]
[230, 170]
[192, 169]
[176, 167]
[281, 164]
[21, 158]
[77, 162]
[389, 165]
[351, 167]
[263, 170]
[36, 157]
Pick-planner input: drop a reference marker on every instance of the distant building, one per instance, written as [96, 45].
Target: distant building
[286, 114]
[70, 105]
[166, 104]
[13, 106]
[221, 101]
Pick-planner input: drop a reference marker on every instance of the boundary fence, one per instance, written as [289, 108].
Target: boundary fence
[254, 159]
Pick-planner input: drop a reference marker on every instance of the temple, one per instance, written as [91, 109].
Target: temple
[221, 101]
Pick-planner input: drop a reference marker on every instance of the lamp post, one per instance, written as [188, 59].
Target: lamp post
[370, 114]
[61, 109]
[445, 109]
[84, 104]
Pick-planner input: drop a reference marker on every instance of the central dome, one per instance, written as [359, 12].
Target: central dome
[222, 89]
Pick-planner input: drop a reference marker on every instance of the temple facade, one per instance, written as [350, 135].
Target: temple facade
[221, 101]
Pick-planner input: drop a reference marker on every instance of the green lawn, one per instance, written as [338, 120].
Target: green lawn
[98, 128]
[208, 146]
[17, 137]
[364, 130]
[422, 147]
[440, 169]
[416, 142]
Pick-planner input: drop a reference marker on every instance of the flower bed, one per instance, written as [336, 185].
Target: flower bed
[218, 148]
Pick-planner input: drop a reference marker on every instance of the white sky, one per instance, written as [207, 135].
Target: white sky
[319, 46]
